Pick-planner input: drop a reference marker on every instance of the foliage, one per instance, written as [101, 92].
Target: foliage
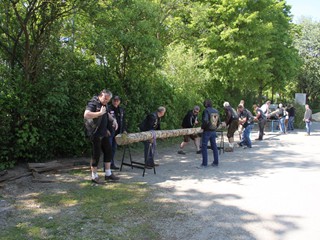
[307, 43]
[55, 55]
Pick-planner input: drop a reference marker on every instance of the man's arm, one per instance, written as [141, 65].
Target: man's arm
[89, 115]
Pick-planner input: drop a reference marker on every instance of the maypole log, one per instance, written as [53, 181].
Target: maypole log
[124, 139]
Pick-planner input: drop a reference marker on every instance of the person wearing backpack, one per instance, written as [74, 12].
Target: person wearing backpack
[232, 123]
[245, 120]
[210, 123]
[98, 122]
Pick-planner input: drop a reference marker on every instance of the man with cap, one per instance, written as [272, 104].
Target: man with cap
[189, 121]
[118, 113]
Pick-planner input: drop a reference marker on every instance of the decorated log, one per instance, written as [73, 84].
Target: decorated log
[123, 139]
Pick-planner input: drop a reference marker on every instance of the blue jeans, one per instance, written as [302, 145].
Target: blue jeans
[206, 137]
[282, 125]
[308, 127]
[246, 136]
[290, 124]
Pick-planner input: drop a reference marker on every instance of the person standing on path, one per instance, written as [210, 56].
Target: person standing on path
[291, 112]
[97, 116]
[118, 113]
[262, 120]
[245, 120]
[210, 123]
[307, 119]
[232, 123]
[151, 122]
[189, 121]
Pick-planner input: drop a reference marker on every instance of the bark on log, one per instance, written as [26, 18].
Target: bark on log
[124, 139]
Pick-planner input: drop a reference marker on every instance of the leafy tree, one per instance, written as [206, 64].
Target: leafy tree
[308, 45]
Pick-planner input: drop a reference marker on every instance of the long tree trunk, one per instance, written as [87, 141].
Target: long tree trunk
[124, 139]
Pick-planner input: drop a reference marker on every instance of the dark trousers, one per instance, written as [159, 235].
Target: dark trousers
[261, 125]
[100, 144]
[148, 152]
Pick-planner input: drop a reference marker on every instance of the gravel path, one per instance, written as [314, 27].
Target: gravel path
[268, 192]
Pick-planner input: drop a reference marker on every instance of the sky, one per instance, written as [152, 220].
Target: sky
[306, 8]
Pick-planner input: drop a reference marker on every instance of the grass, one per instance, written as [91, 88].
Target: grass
[82, 211]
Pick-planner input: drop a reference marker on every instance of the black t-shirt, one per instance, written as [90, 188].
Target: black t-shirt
[245, 114]
[151, 122]
[94, 105]
[189, 119]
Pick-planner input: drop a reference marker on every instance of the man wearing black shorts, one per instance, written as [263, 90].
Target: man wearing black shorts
[189, 121]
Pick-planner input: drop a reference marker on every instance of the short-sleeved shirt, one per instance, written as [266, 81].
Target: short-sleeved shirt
[189, 119]
[94, 105]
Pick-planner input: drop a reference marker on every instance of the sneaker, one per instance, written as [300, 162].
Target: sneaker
[181, 152]
[112, 177]
[95, 180]
[202, 167]
[114, 167]
[199, 152]
[214, 165]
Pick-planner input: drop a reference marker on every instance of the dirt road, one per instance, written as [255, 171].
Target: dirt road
[268, 192]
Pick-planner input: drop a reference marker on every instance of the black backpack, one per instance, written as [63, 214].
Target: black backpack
[91, 126]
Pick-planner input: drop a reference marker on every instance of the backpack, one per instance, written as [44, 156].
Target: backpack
[91, 126]
[214, 121]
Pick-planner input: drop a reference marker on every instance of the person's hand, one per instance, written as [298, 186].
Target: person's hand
[115, 125]
[103, 110]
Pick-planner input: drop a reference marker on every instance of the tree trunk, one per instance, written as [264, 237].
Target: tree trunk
[124, 139]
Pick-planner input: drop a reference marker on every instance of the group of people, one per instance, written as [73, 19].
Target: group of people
[241, 120]
[104, 122]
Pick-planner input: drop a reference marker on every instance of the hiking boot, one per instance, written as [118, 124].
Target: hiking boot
[181, 152]
[112, 177]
